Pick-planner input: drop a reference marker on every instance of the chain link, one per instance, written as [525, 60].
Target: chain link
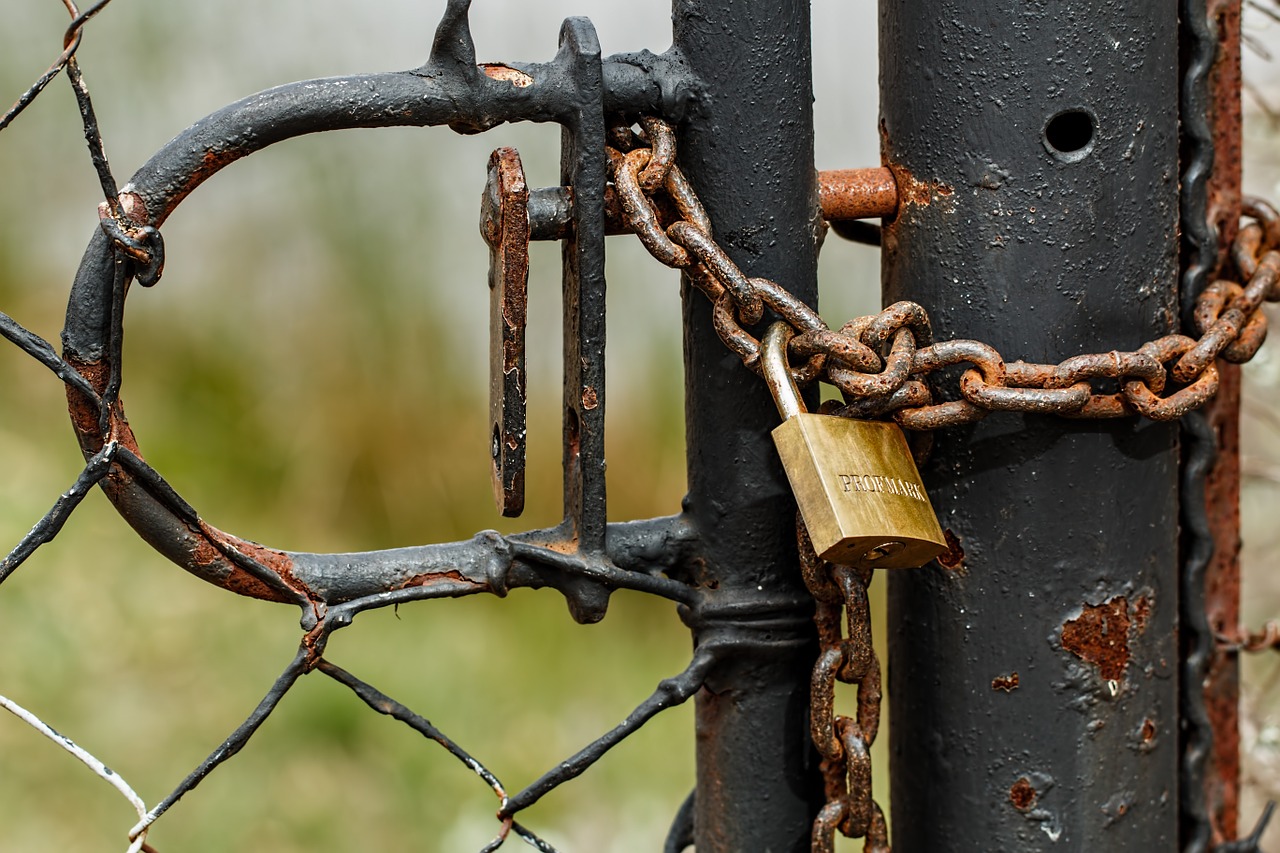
[883, 365]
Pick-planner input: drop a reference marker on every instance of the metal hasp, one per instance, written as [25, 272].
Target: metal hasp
[504, 224]
[747, 148]
[1034, 685]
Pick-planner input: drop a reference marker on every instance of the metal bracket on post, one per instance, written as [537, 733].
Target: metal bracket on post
[583, 166]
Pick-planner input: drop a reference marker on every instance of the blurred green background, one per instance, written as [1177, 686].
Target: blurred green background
[311, 374]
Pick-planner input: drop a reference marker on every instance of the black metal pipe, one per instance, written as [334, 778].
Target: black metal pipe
[747, 146]
[1034, 690]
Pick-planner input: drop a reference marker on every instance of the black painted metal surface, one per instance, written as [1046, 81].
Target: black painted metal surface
[1037, 151]
[747, 147]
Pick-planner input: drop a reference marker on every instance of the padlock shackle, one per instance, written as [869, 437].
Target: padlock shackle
[777, 372]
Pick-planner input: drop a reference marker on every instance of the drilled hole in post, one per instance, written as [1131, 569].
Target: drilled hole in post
[1069, 135]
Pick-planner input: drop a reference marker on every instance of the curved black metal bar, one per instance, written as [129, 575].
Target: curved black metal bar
[450, 89]
[680, 836]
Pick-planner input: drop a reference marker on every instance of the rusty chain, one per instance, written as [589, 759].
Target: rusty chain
[882, 364]
[843, 742]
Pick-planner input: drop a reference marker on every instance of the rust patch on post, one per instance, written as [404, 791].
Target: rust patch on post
[1148, 731]
[1100, 636]
[1023, 795]
[1140, 614]
[1007, 683]
[920, 193]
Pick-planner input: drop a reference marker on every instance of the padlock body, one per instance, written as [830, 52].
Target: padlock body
[859, 491]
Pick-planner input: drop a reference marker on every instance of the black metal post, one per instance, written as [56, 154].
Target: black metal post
[747, 146]
[1034, 690]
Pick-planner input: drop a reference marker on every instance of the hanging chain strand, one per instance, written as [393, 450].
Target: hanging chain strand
[882, 364]
[844, 742]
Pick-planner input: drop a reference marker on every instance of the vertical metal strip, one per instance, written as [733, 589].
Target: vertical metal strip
[1211, 122]
[1033, 688]
[746, 144]
[584, 168]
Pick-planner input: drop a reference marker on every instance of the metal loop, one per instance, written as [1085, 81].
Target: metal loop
[999, 398]
[939, 415]
[898, 365]
[851, 352]
[948, 353]
[640, 212]
[826, 824]
[857, 757]
[1246, 248]
[1261, 210]
[815, 571]
[1149, 404]
[884, 326]
[1227, 327]
[737, 339]
[773, 354]
[913, 394]
[686, 200]
[822, 700]
[700, 244]
[662, 143]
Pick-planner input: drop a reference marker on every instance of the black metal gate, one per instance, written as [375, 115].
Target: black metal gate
[1054, 182]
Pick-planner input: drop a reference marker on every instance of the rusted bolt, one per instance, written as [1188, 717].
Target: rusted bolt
[857, 193]
[845, 195]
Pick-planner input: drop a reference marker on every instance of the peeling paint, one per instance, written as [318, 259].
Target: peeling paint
[514, 76]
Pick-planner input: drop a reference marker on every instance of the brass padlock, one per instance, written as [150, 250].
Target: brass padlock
[856, 485]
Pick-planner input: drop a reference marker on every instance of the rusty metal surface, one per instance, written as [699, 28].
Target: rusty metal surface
[1221, 686]
[1222, 487]
[1210, 497]
[504, 224]
[857, 193]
